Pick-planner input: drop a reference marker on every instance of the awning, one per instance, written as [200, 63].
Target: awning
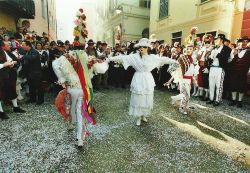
[19, 8]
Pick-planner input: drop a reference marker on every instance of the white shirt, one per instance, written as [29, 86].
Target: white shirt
[8, 59]
[242, 53]
[214, 54]
[143, 81]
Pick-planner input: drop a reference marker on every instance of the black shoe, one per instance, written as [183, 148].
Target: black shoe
[233, 103]
[216, 103]
[239, 104]
[3, 116]
[39, 102]
[30, 101]
[210, 102]
[205, 99]
[18, 110]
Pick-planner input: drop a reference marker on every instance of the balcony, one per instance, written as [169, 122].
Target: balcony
[19, 8]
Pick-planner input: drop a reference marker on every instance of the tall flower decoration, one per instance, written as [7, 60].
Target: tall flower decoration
[80, 32]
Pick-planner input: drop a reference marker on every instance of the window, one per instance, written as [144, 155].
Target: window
[202, 1]
[163, 9]
[113, 4]
[176, 37]
[213, 33]
[145, 3]
[43, 9]
[247, 5]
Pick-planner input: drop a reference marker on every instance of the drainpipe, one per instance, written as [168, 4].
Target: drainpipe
[48, 18]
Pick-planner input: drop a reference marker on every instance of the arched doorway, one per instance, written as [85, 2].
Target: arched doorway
[145, 33]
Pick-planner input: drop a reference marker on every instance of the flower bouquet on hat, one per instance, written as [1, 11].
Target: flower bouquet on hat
[80, 30]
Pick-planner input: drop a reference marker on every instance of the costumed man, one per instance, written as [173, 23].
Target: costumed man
[203, 61]
[187, 70]
[196, 89]
[192, 38]
[142, 85]
[240, 63]
[8, 77]
[72, 72]
[220, 57]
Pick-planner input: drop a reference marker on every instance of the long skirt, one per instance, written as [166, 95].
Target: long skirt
[141, 104]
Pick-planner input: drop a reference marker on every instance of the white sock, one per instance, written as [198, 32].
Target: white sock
[27, 89]
[14, 102]
[234, 95]
[1, 108]
[206, 90]
[241, 96]
[201, 91]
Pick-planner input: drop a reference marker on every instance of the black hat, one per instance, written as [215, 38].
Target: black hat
[104, 43]
[243, 39]
[66, 42]
[117, 45]
[227, 40]
[158, 41]
[91, 41]
[221, 36]
[60, 43]
[44, 33]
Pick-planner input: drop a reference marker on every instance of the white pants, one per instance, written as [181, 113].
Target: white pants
[76, 111]
[216, 78]
[185, 90]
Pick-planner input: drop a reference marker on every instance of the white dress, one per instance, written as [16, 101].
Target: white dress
[142, 85]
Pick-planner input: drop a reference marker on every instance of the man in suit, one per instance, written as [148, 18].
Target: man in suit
[220, 56]
[8, 77]
[32, 61]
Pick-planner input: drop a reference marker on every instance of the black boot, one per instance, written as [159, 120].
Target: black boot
[216, 103]
[205, 99]
[239, 104]
[232, 103]
[18, 110]
[3, 116]
[210, 102]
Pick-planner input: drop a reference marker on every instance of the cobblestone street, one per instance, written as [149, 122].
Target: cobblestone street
[209, 140]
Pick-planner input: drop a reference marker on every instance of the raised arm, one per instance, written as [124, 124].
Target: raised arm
[125, 60]
[165, 60]
[57, 67]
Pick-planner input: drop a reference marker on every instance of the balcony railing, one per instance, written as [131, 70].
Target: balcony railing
[19, 8]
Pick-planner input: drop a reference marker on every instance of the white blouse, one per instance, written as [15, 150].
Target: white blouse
[143, 81]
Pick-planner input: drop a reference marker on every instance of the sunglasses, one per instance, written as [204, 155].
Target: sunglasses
[144, 47]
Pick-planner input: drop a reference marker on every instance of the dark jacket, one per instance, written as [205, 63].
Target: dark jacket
[32, 61]
[223, 56]
[4, 72]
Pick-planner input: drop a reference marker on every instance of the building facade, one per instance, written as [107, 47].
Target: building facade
[245, 30]
[171, 20]
[12, 10]
[124, 21]
[45, 19]
[36, 15]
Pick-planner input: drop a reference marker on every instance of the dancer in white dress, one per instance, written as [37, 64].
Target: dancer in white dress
[142, 85]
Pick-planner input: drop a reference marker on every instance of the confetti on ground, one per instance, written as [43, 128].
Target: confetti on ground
[39, 140]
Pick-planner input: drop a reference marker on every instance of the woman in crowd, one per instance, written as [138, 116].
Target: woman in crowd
[142, 85]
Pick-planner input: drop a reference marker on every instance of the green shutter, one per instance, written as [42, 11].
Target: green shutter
[163, 9]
